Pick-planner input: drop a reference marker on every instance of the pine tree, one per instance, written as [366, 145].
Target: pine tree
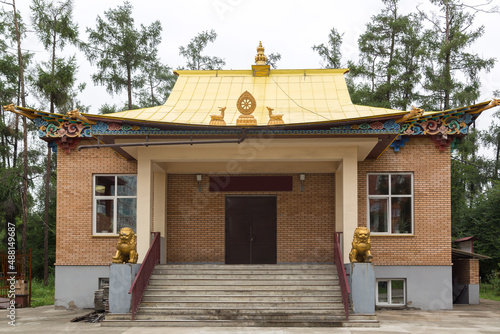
[192, 52]
[331, 53]
[54, 27]
[448, 42]
[390, 60]
[119, 49]
[157, 83]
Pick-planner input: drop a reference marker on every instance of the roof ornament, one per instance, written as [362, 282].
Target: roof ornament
[218, 119]
[76, 114]
[260, 69]
[414, 112]
[274, 119]
[10, 107]
[246, 105]
[493, 103]
[260, 58]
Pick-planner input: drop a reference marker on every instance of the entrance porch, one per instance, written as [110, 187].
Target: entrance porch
[192, 218]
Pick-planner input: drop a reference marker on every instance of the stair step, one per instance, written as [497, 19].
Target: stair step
[228, 312]
[236, 323]
[296, 292]
[165, 286]
[241, 298]
[190, 271]
[251, 282]
[246, 266]
[215, 295]
[239, 305]
[241, 316]
[246, 277]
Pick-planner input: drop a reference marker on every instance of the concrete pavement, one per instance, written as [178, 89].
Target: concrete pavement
[483, 318]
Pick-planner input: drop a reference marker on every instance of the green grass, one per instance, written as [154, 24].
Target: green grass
[487, 291]
[41, 294]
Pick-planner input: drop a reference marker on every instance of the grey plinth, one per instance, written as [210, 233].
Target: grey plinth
[363, 288]
[121, 277]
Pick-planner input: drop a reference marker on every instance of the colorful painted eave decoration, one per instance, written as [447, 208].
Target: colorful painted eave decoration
[449, 123]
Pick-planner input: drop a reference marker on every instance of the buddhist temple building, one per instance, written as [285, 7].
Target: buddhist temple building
[259, 166]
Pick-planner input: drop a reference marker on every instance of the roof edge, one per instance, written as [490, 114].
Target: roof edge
[313, 71]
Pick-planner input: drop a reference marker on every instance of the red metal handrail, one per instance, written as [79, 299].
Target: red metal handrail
[344, 287]
[21, 270]
[141, 280]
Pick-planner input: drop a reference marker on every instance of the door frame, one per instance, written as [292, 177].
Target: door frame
[226, 234]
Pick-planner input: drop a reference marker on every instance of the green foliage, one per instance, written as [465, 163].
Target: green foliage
[331, 52]
[9, 67]
[192, 53]
[273, 59]
[54, 83]
[112, 108]
[54, 24]
[119, 49]
[54, 27]
[485, 224]
[108, 109]
[487, 291]
[449, 58]
[158, 81]
[391, 53]
[40, 294]
[491, 139]
[11, 167]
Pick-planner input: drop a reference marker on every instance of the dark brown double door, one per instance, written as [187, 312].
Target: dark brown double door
[251, 230]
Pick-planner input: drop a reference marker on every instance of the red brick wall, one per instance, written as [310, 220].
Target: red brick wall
[75, 244]
[466, 271]
[431, 242]
[196, 221]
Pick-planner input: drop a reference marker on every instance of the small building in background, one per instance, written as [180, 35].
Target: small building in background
[465, 271]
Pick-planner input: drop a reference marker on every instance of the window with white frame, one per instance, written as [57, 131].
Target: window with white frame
[390, 203]
[115, 203]
[391, 292]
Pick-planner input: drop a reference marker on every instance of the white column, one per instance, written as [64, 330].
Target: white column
[339, 202]
[144, 201]
[348, 204]
[160, 203]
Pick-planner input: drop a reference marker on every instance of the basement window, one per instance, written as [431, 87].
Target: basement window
[391, 292]
[114, 203]
[390, 203]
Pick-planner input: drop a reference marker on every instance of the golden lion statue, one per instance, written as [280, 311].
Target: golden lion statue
[361, 246]
[126, 247]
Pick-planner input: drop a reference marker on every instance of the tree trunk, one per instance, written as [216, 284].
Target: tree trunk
[497, 161]
[14, 157]
[447, 69]
[19, 56]
[53, 69]
[46, 225]
[25, 189]
[152, 92]
[391, 56]
[4, 139]
[129, 87]
[25, 132]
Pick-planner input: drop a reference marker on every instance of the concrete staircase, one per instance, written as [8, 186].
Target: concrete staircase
[242, 296]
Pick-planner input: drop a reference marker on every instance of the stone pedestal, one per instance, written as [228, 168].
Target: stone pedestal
[121, 277]
[363, 288]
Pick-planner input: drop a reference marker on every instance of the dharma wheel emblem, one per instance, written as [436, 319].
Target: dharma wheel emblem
[246, 103]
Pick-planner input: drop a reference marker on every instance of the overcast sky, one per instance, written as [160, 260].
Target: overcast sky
[289, 27]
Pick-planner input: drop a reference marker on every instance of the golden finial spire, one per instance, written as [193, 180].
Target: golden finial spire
[260, 58]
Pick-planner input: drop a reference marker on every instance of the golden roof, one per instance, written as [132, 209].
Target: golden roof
[302, 96]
